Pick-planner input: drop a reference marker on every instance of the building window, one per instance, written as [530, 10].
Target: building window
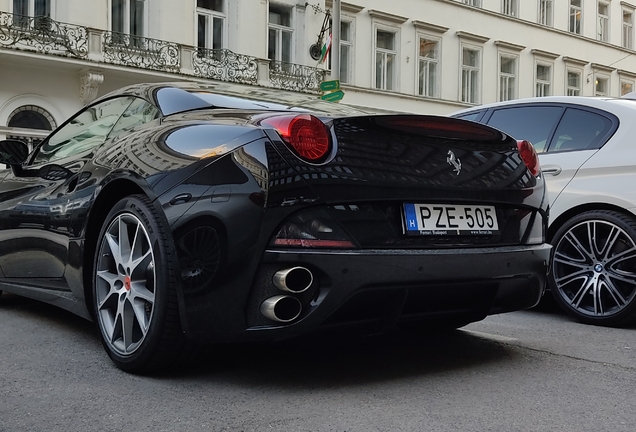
[601, 86]
[428, 67]
[346, 51]
[628, 28]
[128, 17]
[575, 16]
[510, 7]
[507, 78]
[602, 22]
[574, 83]
[470, 75]
[476, 3]
[543, 82]
[280, 33]
[34, 8]
[545, 12]
[385, 59]
[627, 86]
[30, 117]
[211, 24]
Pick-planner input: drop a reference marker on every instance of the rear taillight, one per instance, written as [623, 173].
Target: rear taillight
[306, 135]
[529, 156]
[313, 228]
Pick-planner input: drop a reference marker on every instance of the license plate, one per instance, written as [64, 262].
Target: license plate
[446, 219]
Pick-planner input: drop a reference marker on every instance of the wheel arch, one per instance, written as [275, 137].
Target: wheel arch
[106, 199]
[572, 212]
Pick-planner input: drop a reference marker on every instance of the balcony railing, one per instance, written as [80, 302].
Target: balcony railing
[290, 76]
[43, 35]
[135, 51]
[46, 36]
[225, 65]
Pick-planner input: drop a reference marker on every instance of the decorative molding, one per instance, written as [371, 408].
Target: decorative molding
[629, 5]
[387, 16]
[472, 37]
[421, 25]
[509, 45]
[345, 7]
[575, 61]
[626, 73]
[89, 85]
[603, 68]
[545, 54]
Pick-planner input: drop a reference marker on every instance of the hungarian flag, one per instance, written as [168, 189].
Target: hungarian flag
[324, 52]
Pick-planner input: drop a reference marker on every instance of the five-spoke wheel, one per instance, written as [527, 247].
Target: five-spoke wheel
[594, 267]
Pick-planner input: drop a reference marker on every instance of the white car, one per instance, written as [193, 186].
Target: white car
[587, 151]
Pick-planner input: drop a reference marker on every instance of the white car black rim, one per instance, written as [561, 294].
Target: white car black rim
[594, 268]
[125, 284]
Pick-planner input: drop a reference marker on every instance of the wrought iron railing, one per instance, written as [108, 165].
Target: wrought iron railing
[43, 35]
[290, 76]
[224, 65]
[141, 52]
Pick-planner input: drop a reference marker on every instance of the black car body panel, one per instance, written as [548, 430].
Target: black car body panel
[208, 167]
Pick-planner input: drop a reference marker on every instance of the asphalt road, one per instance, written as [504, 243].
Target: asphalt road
[526, 371]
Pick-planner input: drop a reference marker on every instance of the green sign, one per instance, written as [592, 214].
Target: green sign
[330, 85]
[333, 96]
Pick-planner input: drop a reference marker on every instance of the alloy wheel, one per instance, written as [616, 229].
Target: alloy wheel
[125, 284]
[594, 269]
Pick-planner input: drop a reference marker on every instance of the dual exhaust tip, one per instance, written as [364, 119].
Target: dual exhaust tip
[285, 308]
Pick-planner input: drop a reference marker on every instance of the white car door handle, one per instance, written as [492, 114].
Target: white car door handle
[553, 170]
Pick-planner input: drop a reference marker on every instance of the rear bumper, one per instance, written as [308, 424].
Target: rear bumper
[376, 290]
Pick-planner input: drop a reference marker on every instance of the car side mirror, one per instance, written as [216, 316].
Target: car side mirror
[13, 152]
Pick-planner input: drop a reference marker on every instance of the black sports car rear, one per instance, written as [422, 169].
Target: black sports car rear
[171, 213]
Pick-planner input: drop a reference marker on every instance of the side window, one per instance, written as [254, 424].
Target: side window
[138, 113]
[531, 123]
[86, 130]
[580, 130]
[472, 116]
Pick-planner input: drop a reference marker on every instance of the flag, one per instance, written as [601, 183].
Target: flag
[324, 52]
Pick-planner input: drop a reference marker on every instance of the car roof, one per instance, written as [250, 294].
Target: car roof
[611, 104]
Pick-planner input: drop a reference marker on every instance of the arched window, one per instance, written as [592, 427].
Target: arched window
[30, 117]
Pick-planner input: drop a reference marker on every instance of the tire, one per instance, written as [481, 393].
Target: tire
[593, 275]
[134, 288]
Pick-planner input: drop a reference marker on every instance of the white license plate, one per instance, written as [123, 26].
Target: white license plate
[446, 219]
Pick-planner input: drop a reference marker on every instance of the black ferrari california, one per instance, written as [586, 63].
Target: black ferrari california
[176, 214]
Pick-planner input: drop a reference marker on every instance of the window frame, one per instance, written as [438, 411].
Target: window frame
[630, 82]
[469, 68]
[514, 75]
[545, 13]
[571, 90]
[599, 78]
[386, 52]
[543, 83]
[627, 28]
[31, 8]
[572, 22]
[210, 15]
[127, 19]
[510, 8]
[474, 3]
[603, 21]
[351, 45]
[436, 61]
[279, 29]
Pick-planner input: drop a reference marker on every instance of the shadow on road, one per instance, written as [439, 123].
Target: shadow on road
[316, 361]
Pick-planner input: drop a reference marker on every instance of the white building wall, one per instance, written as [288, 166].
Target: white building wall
[247, 33]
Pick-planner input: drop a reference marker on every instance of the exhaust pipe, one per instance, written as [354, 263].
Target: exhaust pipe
[293, 280]
[281, 308]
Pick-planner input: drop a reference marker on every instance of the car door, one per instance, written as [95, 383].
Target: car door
[578, 136]
[36, 200]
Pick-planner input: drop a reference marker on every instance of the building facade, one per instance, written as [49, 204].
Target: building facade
[422, 56]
